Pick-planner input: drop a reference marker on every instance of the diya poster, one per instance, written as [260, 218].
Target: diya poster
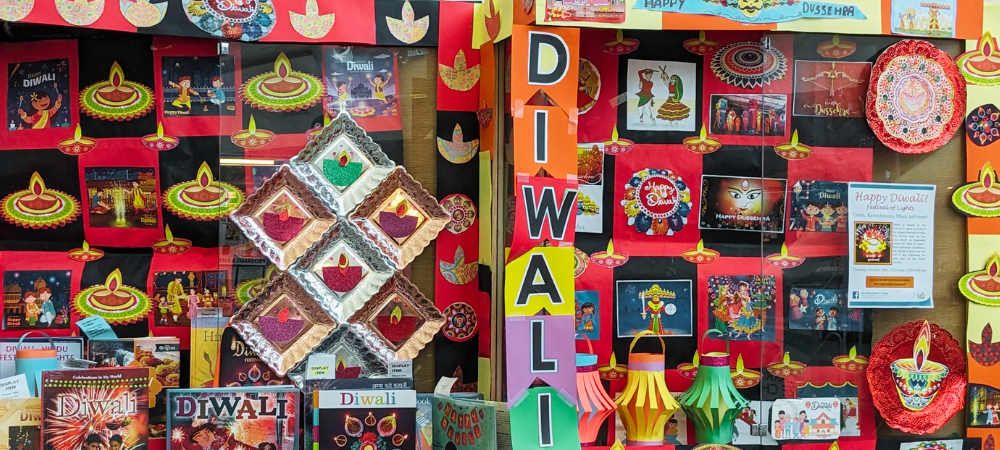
[891, 242]
[362, 81]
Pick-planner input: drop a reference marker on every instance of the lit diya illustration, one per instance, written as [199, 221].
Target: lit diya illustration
[851, 362]
[78, 145]
[401, 315]
[458, 271]
[783, 260]
[621, 45]
[116, 98]
[836, 48]
[284, 89]
[985, 352]
[580, 262]
[249, 289]
[700, 254]
[312, 24]
[702, 144]
[918, 379]
[159, 141]
[617, 145]
[608, 258]
[344, 276]
[742, 377]
[787, 367]
[203, 198]
[39, 207]
[457, 150]
[314, 131]
[794, 150]
[872, 240]
[612, 371]
[981, 65]
[113, 301]
[283, 220]
[406, 29]
[170, 245]
[252, 137]
[701, 45]
[399, 221]
[459, 77]
[980, 198]
[85, 253]
[690, 369]
[282, 323]
[983, 286]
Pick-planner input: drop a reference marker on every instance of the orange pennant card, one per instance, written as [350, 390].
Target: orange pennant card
[542, 140]
[487, 102]
[546, 59]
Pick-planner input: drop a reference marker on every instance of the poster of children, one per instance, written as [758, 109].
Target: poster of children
[818, 206]
[122, 197]
[810, 419]
[38, 95]
[199, 86]
[661, 95]
[362, 81]
[810, 308]
[179, 294]
[847, 393]
[742, 306]
[588, 318]
[36, 299]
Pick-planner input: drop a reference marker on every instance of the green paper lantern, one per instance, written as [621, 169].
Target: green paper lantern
[712, 403]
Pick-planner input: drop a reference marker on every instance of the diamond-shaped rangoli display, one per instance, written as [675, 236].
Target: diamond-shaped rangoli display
[401, 316]
[342, 270]
[283, 218]
[355, 358]
[282, 324]
[400, 217]
[342, 165]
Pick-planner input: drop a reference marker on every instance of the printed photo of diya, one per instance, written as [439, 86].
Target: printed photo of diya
[36, 299]
[661, 95]
[742, 306]
[818, 206]
[748, 114]
[38, 95]
[122, 197]
[821, 309]
[179, 295]
[984, 406]
[660, 306]
[199, 86]
[747, 204]
[873, 243]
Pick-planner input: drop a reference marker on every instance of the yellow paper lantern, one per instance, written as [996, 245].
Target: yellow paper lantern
[646, 403]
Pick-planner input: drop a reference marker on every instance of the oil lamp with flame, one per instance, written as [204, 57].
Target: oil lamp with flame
[983, 286]
[783, 260]
[395, 326]
[39, 206]
[981, 198]
[78, 145]
[701, 45]
[342, 171]
[281, 326]
[113, 300]
[702, 144]
[159, 141]
[401, 221]
[252, 137]
[700, 254]
[981, 65]
[344, 371]
[407, 28]
[621, 45]
[617, 145]
[836, 48]
[116, 98]
[203, 198]
[609, 258]
[985, 352]
[689, 370]
[312, 24]
[918, 379]
[283, 223]
[851, 362]
[786, 367]
[872, 242]
[744, 378]
[343, 277]
[794, 150]
[612, 371]
[170, 245]
[458, 150]
[85, 253]
[283, 89]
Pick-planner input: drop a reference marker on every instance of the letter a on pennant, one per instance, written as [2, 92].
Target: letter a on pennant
[540, 278]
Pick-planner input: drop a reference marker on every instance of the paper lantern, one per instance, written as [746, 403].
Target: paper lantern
[646, 403]
[712, 402]
[593, 402]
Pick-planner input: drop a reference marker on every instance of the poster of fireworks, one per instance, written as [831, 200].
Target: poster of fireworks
[96, 409]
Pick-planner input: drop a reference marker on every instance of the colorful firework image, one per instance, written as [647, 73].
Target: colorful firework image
[873, 243]
[233, 418]
[96, 409]
[742, 306]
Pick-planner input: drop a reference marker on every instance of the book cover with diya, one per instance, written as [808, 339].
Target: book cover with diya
[107, 406]
[239, 365]
[365, 419]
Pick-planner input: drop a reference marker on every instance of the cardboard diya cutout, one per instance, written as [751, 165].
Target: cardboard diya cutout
[39, 207]
[458, 271]
[142, 14]
[689, 369]
[312, 24]
[983, 286]
[15, 10]
[617, 145]
[159, 141]
[252, 137]
[712, 403]
[851, 362]
[786, 367]
[982, 125]
[621, 45]
[794, 150]
[355, 358]
[700, 254]
[927, 368]
[115, 302]
[742, 377]
[116, 98]
[702, 144]
[85, 253]
[783, 260]
[460, 77]
[612, 371]
[400, 217]
[406, 29]
[457, 150]
[249, 289]
[80, 13]
[657, 202]
[78, 144]
[171, 245]
[401, 316]
[980, 198]
[836, 48]
[645, 404]
[283, 218]
[916, 99]
[748, 64]
[608, 258]
[981, 65]
[342, 165]
[985, 352]
[342, 270]
[284, 89]
[484, 114]
[701, 45]
[203, 198]
[283, 324]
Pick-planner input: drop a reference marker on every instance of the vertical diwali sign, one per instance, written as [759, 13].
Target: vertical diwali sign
[538, 286]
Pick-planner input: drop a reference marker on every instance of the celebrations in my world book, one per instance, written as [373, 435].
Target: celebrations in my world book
[239, 418]
[96, 409]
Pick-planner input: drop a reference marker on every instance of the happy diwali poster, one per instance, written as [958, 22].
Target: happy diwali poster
[38, 95]
[105, 406]
[362, 81]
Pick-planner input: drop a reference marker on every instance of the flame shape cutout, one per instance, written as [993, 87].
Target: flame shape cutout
[204, 175]
[282, 66]
[78, 133]
[402, 208]
[283, 315]
[168, 235]
[395, 315]
[116, 76]
[36, 185]
[114, 280]
[922, 346]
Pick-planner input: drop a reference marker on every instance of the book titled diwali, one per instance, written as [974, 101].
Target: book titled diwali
[365, 419]
[265, 418]
[104, 406]
[20, 423]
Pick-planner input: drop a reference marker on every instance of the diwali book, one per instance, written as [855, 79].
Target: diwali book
[66, 348]
[353, 419]
[21, 423]
[108, 407]
[206, 337]
[237, 418]
[239, 365]
[464, 424]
